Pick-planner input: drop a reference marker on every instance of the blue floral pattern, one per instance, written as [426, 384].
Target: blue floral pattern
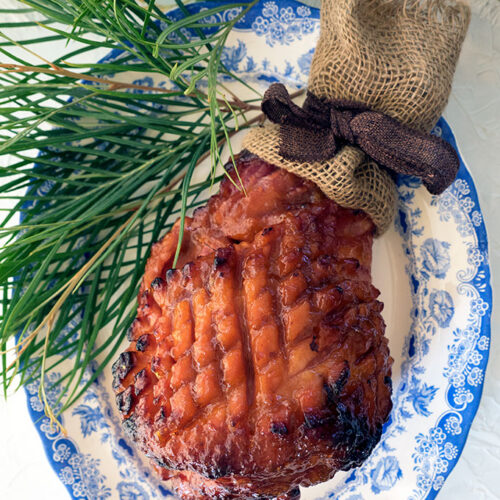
[436, 257]
[233, 56]
[131, 491]
[283, 25]
[89, 418]
[385, 474]
[448, 277]
[82, 474]
[441, 307]
[421, 395]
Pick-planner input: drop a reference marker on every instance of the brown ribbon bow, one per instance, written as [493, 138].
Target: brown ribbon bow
[315, 132]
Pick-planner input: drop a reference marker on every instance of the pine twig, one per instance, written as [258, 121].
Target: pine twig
[58, 71]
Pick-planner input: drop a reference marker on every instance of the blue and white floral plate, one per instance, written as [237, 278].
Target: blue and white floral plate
[432, 269]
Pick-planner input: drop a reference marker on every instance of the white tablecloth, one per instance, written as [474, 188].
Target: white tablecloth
[474, 113]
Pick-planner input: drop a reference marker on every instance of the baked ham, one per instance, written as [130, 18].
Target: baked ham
[259, 364]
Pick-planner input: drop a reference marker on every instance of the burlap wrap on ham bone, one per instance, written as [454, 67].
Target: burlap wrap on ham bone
[396, 57]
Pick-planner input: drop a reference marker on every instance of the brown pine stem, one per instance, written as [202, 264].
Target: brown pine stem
[114, 85]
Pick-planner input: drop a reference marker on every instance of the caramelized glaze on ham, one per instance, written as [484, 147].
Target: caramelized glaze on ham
[259, 364]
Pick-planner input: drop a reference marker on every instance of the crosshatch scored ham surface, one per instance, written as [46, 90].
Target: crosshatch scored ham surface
[259, 364]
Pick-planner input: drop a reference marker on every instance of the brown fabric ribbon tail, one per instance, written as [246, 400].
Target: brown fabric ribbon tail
[317, 130]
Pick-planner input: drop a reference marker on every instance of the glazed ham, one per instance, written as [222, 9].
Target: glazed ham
[259, 363]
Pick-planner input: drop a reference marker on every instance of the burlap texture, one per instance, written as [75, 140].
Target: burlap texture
[396, 56]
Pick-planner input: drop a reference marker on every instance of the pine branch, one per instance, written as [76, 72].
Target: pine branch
[113, 174]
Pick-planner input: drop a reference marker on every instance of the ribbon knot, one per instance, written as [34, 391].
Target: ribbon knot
[316, 131]
[339, 123]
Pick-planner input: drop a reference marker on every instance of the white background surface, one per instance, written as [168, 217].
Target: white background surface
[474, 115]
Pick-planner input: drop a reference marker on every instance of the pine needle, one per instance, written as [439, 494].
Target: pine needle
[114, 171]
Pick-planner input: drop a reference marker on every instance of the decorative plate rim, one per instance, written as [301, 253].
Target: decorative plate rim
[483, 244]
